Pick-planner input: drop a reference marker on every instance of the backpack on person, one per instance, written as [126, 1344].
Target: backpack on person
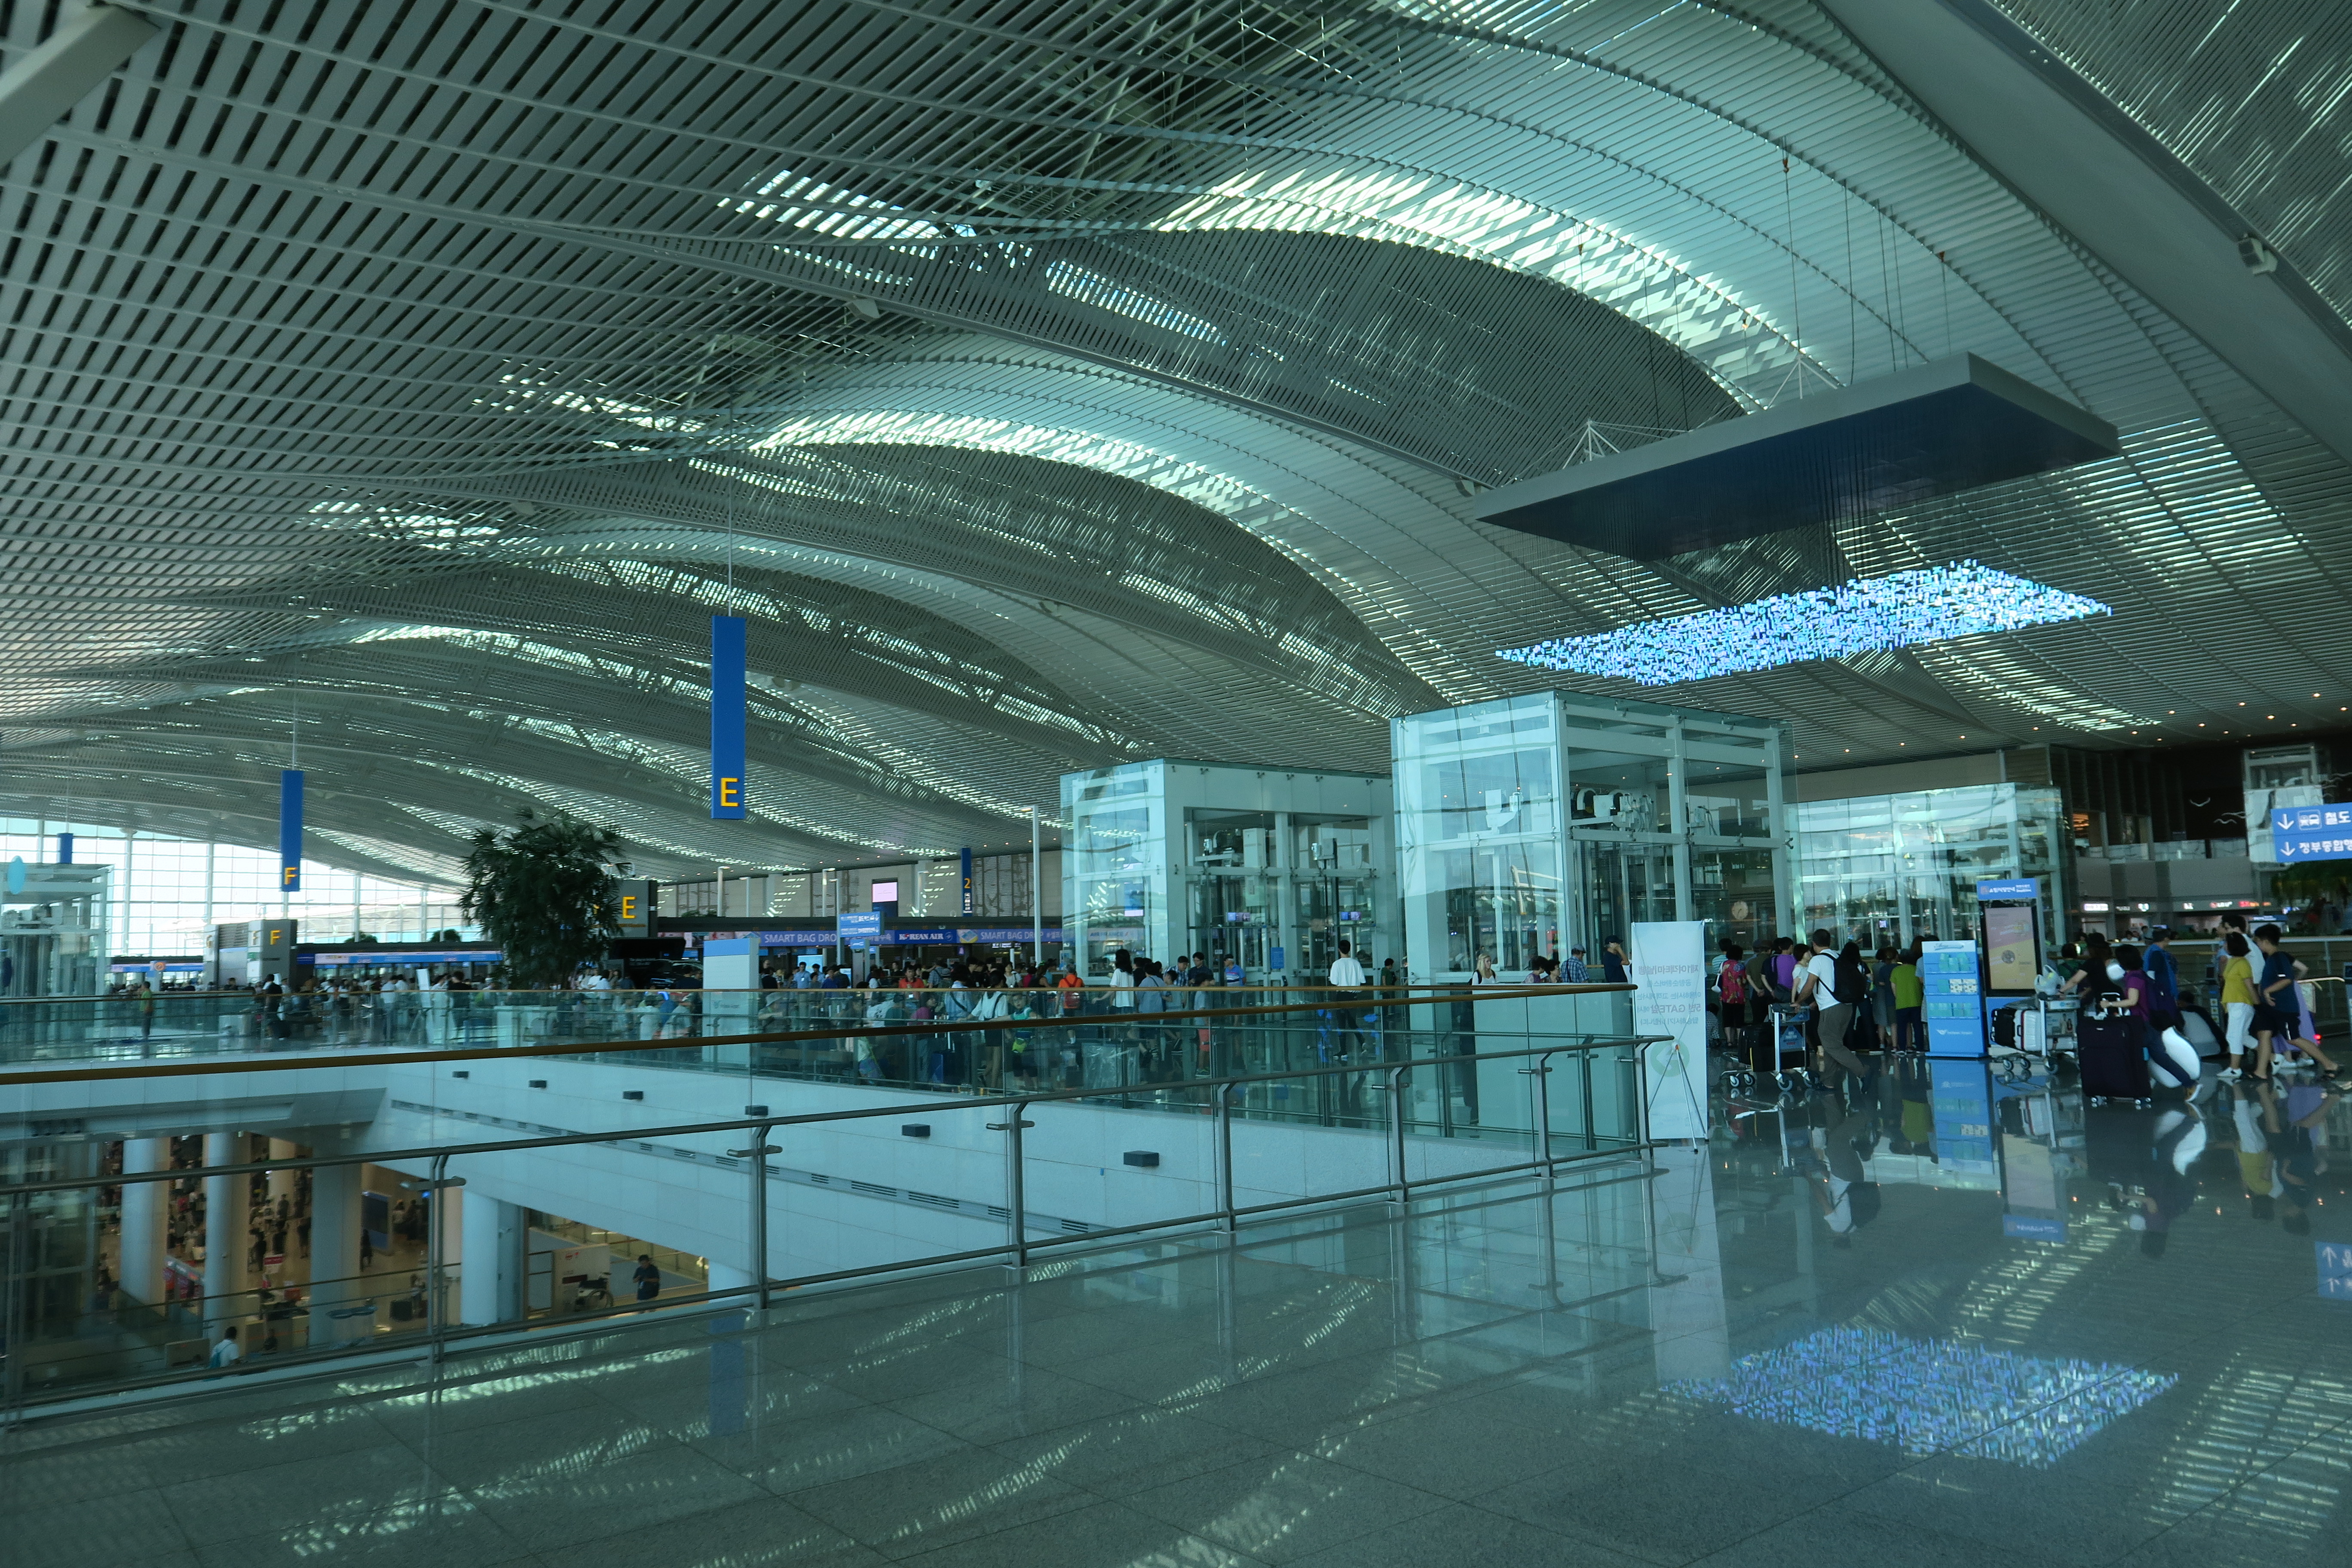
[1848, 983]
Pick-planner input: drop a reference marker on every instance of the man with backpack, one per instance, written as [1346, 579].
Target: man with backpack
[1833, 983]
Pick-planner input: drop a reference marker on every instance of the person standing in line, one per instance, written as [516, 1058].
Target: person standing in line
[1731, 992]
[1882, 999]
[1904, 982]
[2232, 956]
[1346, 978]
[1833, 984]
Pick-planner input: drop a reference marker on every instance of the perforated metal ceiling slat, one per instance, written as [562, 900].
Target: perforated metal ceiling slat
[333, 333]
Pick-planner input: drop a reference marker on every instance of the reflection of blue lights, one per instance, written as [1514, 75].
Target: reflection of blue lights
[1895, 611]
[1930, 1395]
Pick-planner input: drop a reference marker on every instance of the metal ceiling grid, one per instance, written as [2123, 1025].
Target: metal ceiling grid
[1057, 383]
[2252, 98]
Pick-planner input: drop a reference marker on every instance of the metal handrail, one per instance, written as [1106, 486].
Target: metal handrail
[980, 1102]
[1018, 1245]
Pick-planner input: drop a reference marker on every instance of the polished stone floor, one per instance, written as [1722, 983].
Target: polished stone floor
[1946, 1320]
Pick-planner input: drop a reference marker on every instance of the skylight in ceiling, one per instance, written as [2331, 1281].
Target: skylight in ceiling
[1093, 288]
[1901, 610]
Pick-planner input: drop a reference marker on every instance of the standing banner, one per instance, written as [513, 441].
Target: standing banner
[290, 830]
[1668, 964]
[728, 725]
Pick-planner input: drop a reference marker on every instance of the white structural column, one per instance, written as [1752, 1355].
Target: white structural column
[226, 1202]
[282, 1182]
[489, 1279]
[142, 1219]
[335, 1254]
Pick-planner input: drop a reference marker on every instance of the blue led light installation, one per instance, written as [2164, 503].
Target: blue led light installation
[1899, 610]
[1930, 1396]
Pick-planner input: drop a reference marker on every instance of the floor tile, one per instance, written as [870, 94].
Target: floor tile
[242, 1503]
[1112, 1456]
[593, 1494]
[1280, 1507]
[131, 1525]
[939, 1501]
[789, 1456]
[1105, 1535]
[1460, 1536]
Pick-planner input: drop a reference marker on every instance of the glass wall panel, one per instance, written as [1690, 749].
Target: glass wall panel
[1537, 824]
[1899, 868]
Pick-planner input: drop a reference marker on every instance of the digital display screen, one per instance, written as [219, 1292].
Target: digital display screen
[1931, 1396]
[2013, 958]
[886, 892]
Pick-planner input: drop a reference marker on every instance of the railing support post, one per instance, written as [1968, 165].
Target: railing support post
[436, 1317]
[1396, 1110]
[1542, 1070]
[1015, 1198]
[758, 1155]
[760, 1213]
[1225, 1199]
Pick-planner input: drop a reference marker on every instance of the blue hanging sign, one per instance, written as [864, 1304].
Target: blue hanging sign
[2301, 832]
[857, 923]
[64, 848]
[17, 873]
[728, 724]
[2016, 890]
[289, 831]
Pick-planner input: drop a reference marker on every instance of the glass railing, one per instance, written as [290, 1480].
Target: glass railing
[186, 1026]
[752, 1165]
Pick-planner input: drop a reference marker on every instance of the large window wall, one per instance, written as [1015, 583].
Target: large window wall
[1890, 869]
[169, 891]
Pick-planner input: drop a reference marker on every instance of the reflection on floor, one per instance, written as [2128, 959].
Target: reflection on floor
[1951, 1321]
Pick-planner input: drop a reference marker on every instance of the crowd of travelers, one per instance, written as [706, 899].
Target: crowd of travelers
[2253, 1009]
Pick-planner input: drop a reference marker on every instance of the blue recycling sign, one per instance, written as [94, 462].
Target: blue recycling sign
[2300, 833]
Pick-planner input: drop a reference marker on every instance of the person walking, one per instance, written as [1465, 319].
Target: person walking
[2278, 1010]
[2232, 956]
[226, 1353]
[2163, 979]
[648, 1277]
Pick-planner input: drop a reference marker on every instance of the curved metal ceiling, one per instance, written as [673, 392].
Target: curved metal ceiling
[1046, 391]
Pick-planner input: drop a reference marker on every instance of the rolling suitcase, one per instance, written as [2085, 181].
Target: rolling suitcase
[2111, 1058]
[2172, 1058]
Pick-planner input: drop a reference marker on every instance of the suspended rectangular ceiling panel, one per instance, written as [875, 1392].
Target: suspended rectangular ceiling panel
[1879, 446]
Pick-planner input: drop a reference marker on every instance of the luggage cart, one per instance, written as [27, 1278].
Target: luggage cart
[1783, 1027]
[1789, 1040]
